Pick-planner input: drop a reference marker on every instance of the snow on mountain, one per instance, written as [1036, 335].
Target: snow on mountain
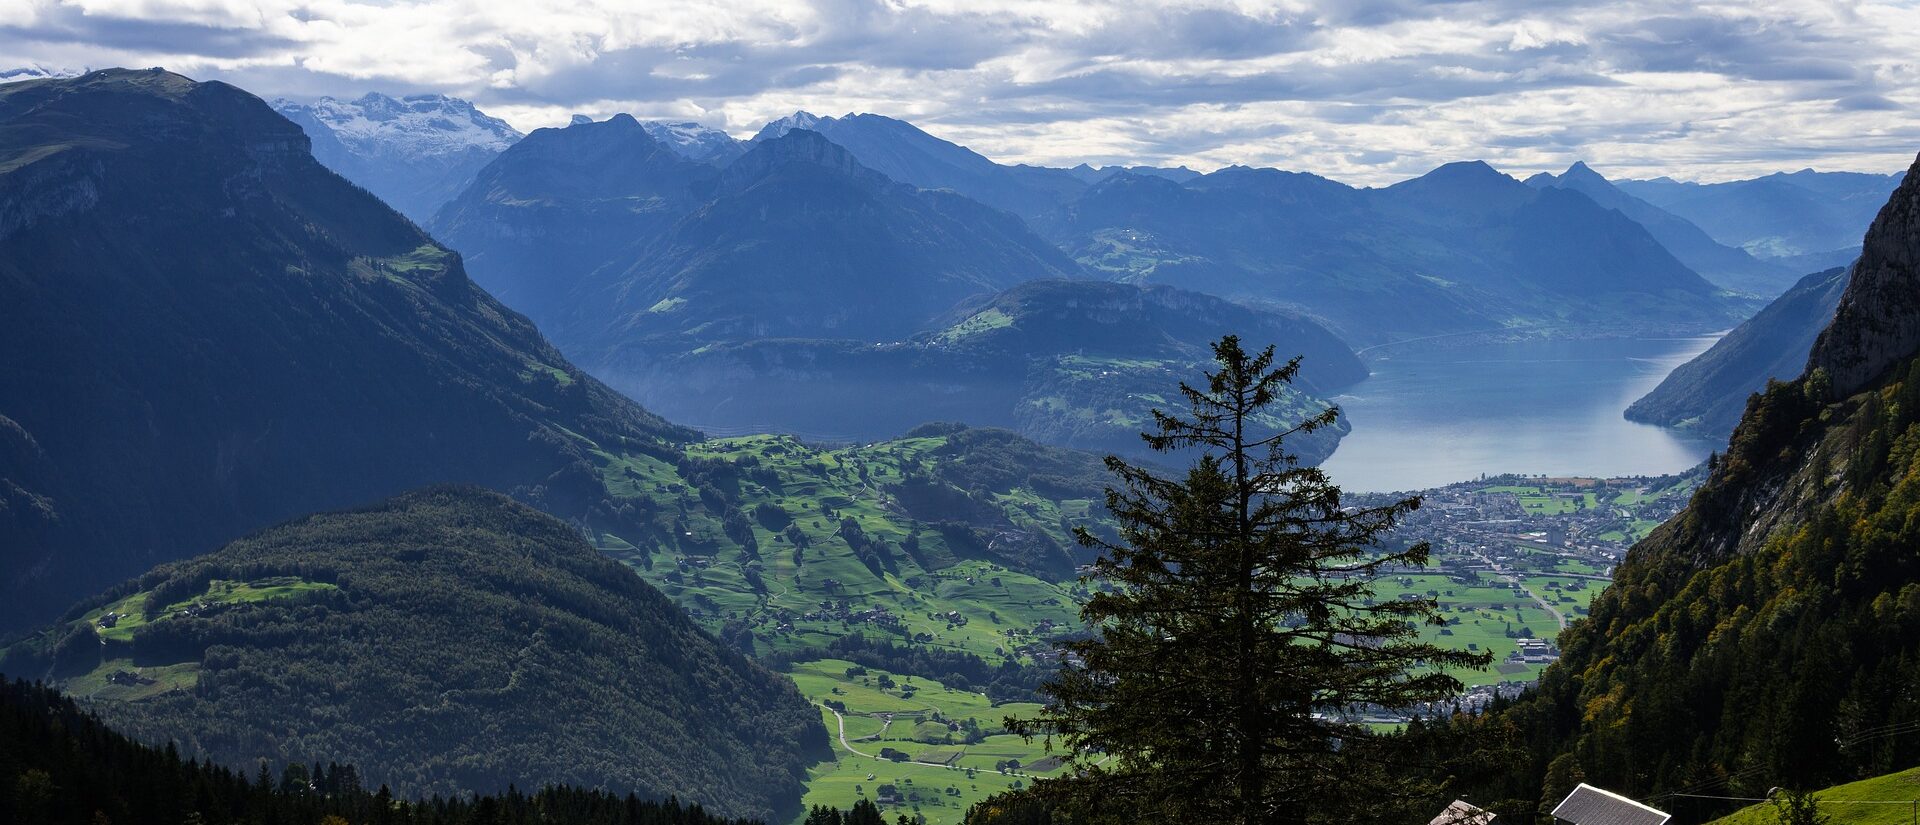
[415, 126]
[415, 152]
[35, 72]
[694, 141]
[797, 120]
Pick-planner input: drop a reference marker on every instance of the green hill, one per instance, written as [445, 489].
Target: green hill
[445, 641]
[1882, 800]
[951, 537]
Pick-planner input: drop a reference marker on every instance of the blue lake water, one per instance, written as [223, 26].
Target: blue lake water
[1431, 417]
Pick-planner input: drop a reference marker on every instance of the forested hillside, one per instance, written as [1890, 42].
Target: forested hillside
[1767, 636]
[62, 766]
[444, 642]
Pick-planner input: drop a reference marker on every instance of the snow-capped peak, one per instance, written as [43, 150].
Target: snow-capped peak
[692, 140]
[415, 125]
[34, 72]
[797, 120]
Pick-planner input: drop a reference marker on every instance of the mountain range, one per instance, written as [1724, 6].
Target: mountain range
[1462, 249]
[414, 152]
[752, 296]
[1729, 267]
[1805, 220]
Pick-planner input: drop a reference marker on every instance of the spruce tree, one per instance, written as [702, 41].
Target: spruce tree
[1241, 630]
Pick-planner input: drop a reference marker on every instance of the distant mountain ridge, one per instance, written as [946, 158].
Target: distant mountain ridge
[1813, 219]
[907, 154]
[414, 152]
[1463, 249]
[1709, 393]
[1726, 266]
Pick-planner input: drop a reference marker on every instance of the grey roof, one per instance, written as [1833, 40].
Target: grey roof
[1588, 805]
[1462, 812]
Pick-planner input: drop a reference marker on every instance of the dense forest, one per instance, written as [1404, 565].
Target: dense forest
[446, 641]
[60, 765]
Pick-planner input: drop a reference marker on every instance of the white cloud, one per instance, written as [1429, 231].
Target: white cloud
[1364, 90]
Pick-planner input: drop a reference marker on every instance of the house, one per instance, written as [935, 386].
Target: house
[1588, 805]
[1462, 812]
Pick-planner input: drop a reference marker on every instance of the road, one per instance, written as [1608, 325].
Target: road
[1510, 578]
[841, 722]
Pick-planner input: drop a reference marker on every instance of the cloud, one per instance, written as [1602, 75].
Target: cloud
[1364, 90]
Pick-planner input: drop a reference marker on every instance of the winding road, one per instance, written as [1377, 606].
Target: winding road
[841, 721]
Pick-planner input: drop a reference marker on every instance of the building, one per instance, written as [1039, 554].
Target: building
[1462, 812]
[1588, 805]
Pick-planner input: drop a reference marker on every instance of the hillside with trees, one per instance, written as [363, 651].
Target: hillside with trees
[1768, 635]
[444, 642]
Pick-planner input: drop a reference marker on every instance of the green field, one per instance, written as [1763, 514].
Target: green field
[1479, 618]
[800, 582]
[1883, 800]
[117, 678]
[927, 722]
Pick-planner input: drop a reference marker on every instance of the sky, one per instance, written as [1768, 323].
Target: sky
[1365, 91]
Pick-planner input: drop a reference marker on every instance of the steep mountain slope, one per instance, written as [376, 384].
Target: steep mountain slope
[1783, 215]
[1462, 249]
[1725, 266]
[797, 239]
[903, 152]
[445, 641]
[415, 153]
[210, 332]
[1768, 635]
[1075, 363]
[1709, 393]
[563, 202]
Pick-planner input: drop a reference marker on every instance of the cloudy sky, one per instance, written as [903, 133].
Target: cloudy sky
[1367, 91]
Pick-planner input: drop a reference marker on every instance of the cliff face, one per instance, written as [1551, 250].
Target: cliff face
[1878, 323]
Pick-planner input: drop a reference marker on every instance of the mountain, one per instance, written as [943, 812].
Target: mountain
[1803, 216]
[415, 153]
[903, 152]
[1463, 249]
[798, 239]
[560, 204]
[224, 335]
[1769, 634]
[1727, 267]
[443, 642]
[1070, 362]
[1091, 175]
[695, 142]
[1709, 393]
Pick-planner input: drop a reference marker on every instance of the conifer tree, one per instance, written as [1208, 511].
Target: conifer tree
[1241, 628]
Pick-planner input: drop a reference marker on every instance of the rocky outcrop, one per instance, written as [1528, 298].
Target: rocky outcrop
[1878, 322]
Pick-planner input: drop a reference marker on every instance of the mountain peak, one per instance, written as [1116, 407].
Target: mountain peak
[798, 120]
[795, 147]
[1878, 322]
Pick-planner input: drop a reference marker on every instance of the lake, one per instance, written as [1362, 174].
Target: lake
[1431, 417]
